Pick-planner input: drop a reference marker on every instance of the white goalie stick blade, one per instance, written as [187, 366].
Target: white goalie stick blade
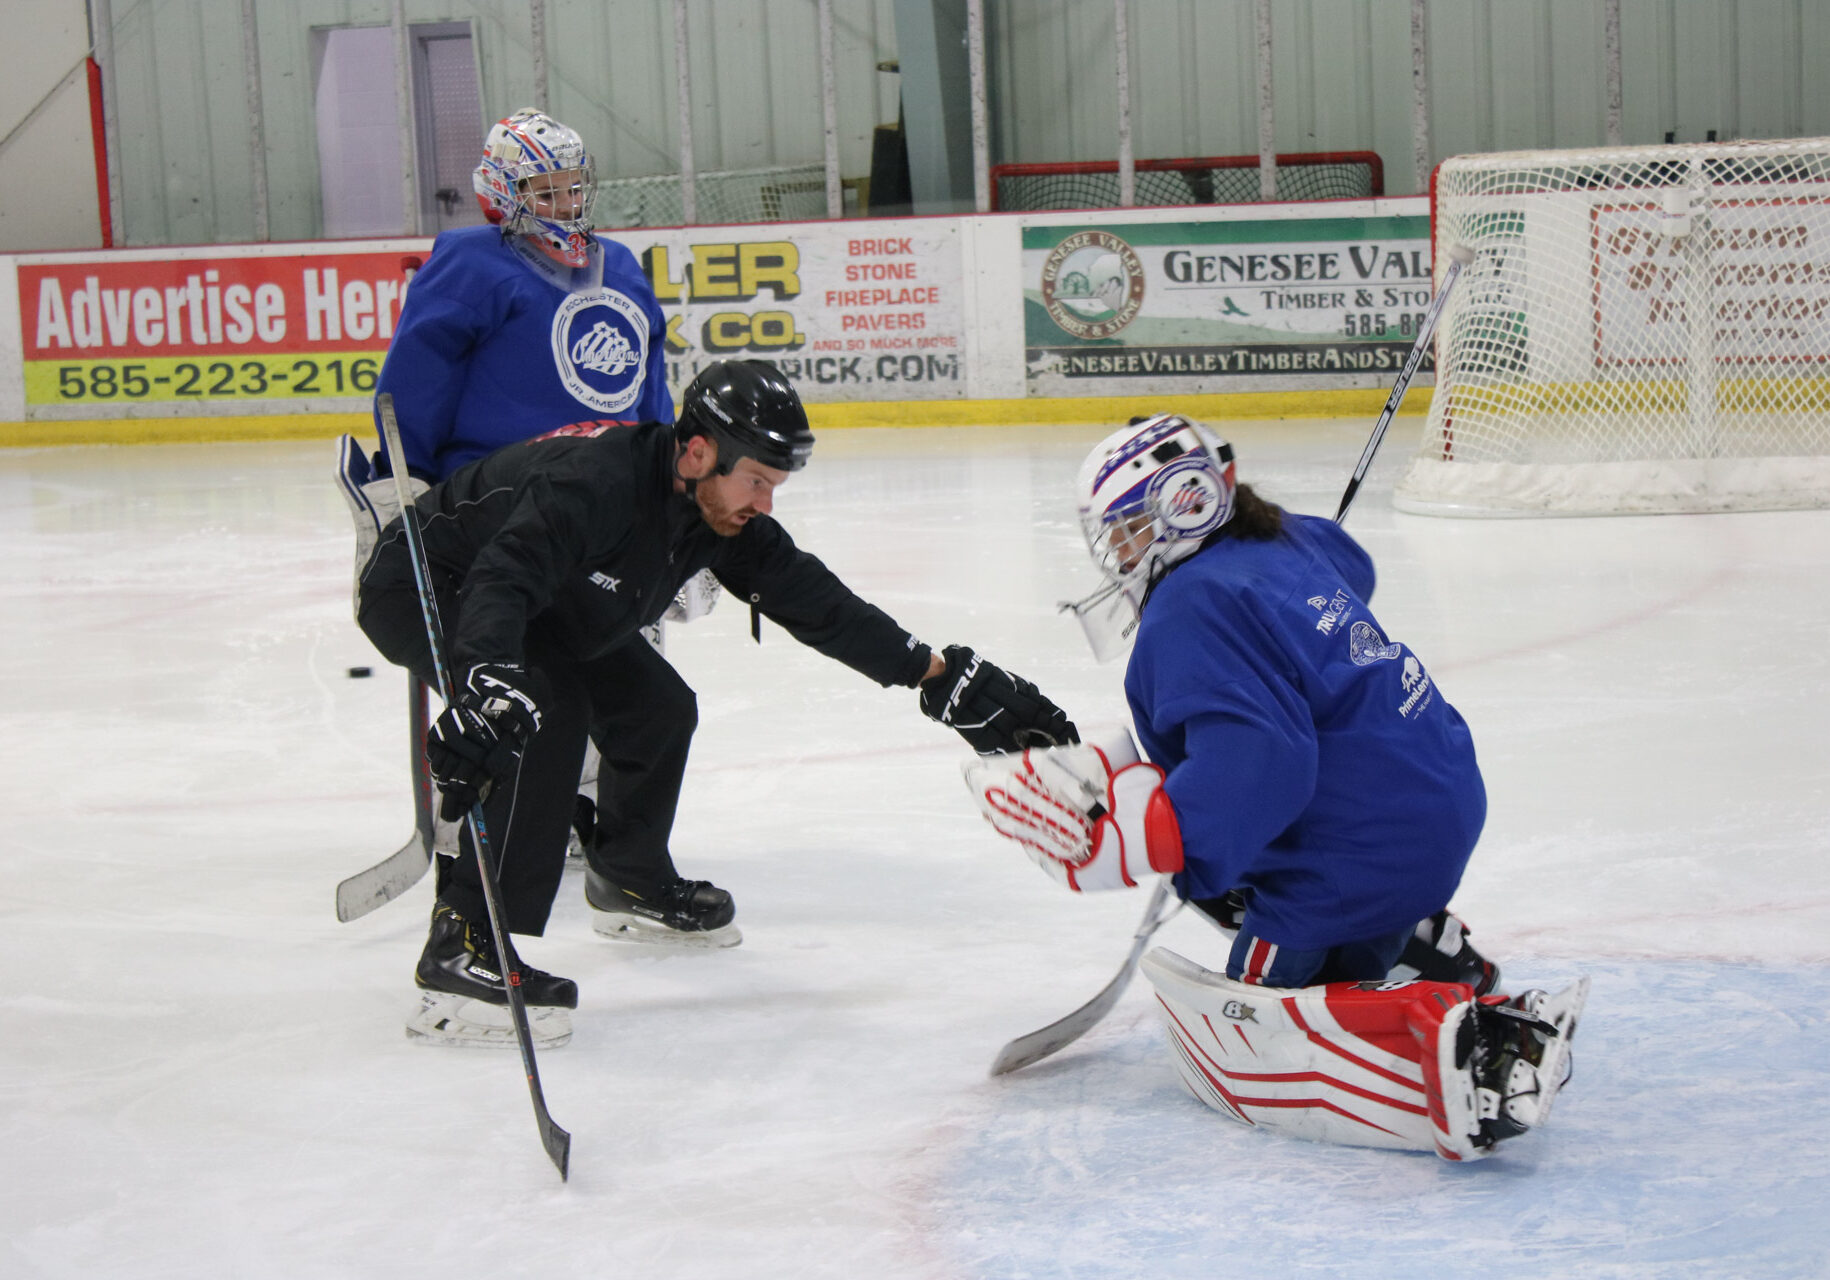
[1056, 1036]
[385, 881]
[476, 1024]
[402, 869]
[623, 926]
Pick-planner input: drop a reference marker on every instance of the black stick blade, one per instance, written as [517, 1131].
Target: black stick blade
[557, 1141]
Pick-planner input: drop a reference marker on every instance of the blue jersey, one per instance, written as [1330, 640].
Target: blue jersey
[1311, 760]
[489, 352]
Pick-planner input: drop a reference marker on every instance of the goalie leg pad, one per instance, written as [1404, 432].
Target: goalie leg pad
[447, 1019]
[373, 501]
[1309, 1063]
[1417, 1066]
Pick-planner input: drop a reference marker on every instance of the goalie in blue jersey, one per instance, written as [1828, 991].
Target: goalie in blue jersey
[529, 323]
[1313, 794]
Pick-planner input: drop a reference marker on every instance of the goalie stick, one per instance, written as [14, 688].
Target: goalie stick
[402, 869]
[1037, 1045]
[1459, 256]
[557, 1141]
[1058, 1035]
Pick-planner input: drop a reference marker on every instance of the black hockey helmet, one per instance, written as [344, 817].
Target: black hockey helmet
[750, 411]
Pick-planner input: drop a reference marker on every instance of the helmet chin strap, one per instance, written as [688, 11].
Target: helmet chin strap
[692, 485]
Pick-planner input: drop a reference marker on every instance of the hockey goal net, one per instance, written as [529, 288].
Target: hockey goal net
[1093, 184]
[784, 193]
[1642, 329]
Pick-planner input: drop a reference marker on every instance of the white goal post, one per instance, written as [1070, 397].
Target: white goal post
[1643, 329]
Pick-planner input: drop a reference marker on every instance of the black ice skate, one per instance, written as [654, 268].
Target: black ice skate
[462, 997]
[682, 913]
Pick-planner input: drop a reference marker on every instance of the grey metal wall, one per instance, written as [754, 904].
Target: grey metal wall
[1504, 74]
[187, 160]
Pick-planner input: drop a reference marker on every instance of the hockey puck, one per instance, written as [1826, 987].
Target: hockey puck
[358, 673]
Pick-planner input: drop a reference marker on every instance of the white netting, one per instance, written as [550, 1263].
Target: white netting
[789, 193]
[1642, 329]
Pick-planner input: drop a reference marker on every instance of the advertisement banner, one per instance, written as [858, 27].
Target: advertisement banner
[271, 332]
[1758, 268]
[848, 311]
[1204, 307]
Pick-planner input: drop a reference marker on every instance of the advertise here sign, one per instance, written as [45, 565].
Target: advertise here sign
[310, 328]
[1221, 306]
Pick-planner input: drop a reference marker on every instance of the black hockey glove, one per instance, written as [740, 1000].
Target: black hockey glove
[480, 739]
[992, 709]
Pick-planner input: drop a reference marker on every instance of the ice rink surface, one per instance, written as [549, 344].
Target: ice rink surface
[203, 1074]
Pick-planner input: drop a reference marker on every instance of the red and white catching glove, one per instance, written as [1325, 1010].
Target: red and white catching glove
[1092, 815]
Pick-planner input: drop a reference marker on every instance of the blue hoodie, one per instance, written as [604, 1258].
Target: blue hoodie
[489, 352]
[1311, 761]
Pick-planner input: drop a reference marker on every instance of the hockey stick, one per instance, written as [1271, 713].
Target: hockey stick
[1459, 257]
[402, 869]
[1057, 1036]
[1038, 1045]
[557, 1141]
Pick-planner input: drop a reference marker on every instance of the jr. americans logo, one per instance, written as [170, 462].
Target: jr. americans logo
[600, 347]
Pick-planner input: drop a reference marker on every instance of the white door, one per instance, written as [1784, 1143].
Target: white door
[360, 135]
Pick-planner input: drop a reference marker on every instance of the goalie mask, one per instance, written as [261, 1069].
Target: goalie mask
[537, 181]
[1149, 495]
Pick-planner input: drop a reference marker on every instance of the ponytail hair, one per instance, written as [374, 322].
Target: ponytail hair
[1254, 519]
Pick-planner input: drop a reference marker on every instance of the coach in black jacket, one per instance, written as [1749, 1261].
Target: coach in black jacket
[547, 558]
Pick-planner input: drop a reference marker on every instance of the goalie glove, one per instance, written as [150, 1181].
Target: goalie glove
[990, 708]
[1093, 816]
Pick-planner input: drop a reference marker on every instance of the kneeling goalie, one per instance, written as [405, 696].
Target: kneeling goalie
[1312, 793]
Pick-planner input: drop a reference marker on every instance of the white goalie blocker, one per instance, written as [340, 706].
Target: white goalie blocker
[1412, 1066]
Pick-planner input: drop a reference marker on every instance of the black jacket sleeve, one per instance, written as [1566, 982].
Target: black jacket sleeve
[762, 567]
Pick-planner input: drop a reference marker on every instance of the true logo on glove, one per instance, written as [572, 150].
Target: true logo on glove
[959, 689]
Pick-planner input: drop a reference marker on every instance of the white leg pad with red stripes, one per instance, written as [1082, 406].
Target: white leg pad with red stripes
[1369, 1064]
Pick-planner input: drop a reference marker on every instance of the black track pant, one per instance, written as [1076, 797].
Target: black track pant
[631, 703]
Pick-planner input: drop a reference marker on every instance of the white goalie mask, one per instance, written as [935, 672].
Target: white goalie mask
[1148, 494]
[536, 180]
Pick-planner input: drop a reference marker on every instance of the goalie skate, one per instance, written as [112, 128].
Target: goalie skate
[1502, 1066]
[686, 913]
[443, 1018]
